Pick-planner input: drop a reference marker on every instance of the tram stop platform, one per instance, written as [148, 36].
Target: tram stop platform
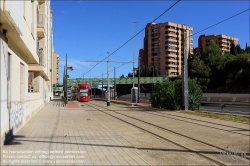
[59, 135]
[91, 133]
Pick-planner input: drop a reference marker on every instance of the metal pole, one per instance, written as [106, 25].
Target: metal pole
[102, 85]
[185, 74]
[133, 50]
[114, 84]
[138, 71]
[82, 77]
[153, 79]
[108, 101]
[66, 79]
[90, 83]
[94, 87]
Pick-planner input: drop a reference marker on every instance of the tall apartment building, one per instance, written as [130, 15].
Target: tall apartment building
[55, 69]
[223, 41]
[25, 61]
[163, 47]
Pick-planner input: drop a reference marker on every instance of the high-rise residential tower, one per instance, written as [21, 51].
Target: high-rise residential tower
[223, 41]
[163, 47]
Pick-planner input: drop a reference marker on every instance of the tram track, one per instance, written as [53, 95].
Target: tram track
[199, 122]
[208, 151]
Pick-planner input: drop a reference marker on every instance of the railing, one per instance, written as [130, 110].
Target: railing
[222, 105]
[33, 88]
[65, 100]
[40, 55]
[30, 88]
[40, 20]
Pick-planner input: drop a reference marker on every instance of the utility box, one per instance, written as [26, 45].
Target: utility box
[134, 95]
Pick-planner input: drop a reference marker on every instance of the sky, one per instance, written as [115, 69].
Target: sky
[87, 30]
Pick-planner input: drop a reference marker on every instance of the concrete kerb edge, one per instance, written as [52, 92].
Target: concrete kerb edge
[122, 102]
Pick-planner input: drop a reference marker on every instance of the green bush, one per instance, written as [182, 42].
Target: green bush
[195, 94]
[168, 95]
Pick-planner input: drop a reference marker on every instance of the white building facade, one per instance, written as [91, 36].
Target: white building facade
[26, 50]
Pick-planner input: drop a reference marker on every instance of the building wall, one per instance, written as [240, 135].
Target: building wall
[4, 85]
[223, 41]
[141, 57]
[163, 47]
[55, 68]
[26, 84]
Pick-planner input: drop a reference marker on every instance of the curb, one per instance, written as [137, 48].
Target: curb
[123, 102]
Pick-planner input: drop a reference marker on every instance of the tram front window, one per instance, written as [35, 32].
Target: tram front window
[83, 92]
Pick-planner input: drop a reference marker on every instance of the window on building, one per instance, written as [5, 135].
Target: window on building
[171, 47]
[155, 29]
[154, 39]
[154, 34]
[170, 42]
[33, 82]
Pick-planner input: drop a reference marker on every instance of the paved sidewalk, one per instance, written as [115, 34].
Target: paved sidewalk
[58, 135]
[72, 104]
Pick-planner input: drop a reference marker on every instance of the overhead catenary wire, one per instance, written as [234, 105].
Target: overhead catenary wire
[134, 35]
[187, 37]
[219, 22]
[121, 57]
[206, 28]
[96, 56]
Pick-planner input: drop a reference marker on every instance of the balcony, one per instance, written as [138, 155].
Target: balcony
[40, 69]
[172, 66]
[171, 34]
[171, 50]
[40, 26]
[171, 60]
[172, 29]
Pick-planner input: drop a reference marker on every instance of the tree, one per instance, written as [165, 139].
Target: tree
[199, 70]
[168, 95]
[215, 60]
[233, 50]
[213, 56]
[247, 49]
[130, 75]
[239, 50]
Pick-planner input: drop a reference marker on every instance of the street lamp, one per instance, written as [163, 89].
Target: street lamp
[133, 96]
[133, 50]
[90, 82]
[108, 89]
[66, 82]
[83, 78]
